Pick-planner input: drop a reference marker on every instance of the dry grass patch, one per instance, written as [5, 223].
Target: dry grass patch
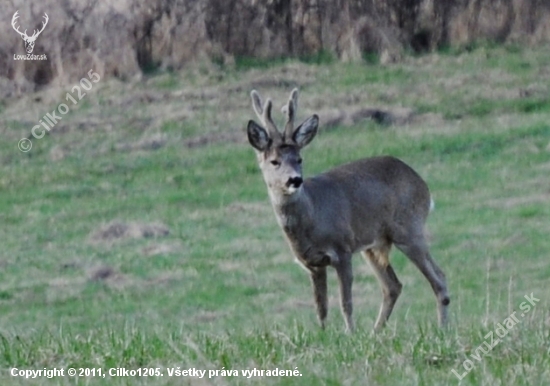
[146, 143]
[118, 230]
[512, 202]
[162, 249]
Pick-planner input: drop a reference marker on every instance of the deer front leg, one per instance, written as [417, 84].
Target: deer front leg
[319, 281]
[345, 278]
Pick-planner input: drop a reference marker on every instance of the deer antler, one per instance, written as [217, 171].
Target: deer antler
[24, 34]
[264, 114]
[290, 110]
[44, 23]
[13, 21]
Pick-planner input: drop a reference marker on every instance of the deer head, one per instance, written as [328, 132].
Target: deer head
[279, 153]
[29, 40]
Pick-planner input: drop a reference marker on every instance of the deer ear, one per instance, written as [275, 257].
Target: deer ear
[258, 137]
[306, 131]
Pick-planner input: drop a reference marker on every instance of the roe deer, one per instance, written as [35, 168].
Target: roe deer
[366, 205]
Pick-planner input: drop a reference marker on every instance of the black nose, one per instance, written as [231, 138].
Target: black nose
[295, 182]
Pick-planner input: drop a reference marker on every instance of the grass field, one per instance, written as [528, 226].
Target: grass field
[138, 232]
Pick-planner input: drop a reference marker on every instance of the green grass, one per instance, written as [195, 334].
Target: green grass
[221, 290]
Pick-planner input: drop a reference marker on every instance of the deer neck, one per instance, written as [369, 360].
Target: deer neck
[295, 212]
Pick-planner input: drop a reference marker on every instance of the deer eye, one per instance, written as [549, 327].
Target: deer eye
[275, 162]
[299, 161]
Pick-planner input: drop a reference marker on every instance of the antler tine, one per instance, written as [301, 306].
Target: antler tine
[268, 121]
[291, 109]
[264, 113]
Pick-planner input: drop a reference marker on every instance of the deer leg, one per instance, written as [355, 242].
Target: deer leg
[345, 278]
[418, 253]
[391, 287]
[319, 281]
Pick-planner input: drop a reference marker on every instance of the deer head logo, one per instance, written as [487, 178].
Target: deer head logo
[29, 40]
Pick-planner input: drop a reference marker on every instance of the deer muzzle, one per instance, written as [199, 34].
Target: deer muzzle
[294, 182]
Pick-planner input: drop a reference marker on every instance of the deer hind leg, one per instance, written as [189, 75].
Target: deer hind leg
[345, 278]
[416, 249]
[391, 287]
[319, 281]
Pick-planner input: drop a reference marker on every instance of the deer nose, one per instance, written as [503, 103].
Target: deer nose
[295, 182]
